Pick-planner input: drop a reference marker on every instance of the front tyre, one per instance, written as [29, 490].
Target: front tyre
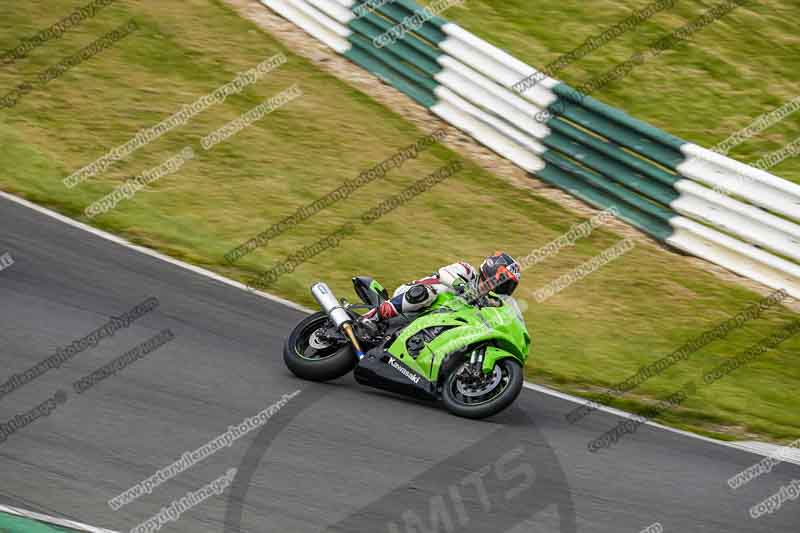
[311, 358]
[465, 396]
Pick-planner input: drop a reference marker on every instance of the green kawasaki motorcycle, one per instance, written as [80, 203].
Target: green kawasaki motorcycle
[469, 353]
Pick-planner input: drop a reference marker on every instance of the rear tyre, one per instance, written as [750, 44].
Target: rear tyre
[309, 358]
[496, 391]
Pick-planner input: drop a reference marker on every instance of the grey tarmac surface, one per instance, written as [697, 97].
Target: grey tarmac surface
[337, 457]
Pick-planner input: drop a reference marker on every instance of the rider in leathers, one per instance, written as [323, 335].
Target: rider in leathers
[499, 273]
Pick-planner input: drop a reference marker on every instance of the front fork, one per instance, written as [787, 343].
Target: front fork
[476, 362]
[476, 358]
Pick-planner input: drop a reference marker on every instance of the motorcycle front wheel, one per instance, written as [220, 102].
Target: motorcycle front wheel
[465, 396]
[314, 359]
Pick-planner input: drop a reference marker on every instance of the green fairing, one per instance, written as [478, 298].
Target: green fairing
[499, 328]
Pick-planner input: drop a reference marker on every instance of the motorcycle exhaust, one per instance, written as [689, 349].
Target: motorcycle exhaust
[341, 318]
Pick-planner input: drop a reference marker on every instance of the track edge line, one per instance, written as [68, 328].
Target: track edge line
[288, 303]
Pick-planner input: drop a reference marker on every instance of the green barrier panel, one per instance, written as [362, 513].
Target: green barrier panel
[395, 63]
[570, 105]
[595, 152]
[398, 14]
[622, 118]
[653, 226]
[413, 6]
[401, 49]
[614, 151]
[612, 169]
[640, 144]
[364, 59]
[409, 38]
[603, 184]
[600, 171]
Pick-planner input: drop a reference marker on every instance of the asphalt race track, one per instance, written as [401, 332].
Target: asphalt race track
[337, 457]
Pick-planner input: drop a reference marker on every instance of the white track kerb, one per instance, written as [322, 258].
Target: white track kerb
[189, 459]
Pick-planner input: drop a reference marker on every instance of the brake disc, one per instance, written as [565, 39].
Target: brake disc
[316, 342]
[482, 387]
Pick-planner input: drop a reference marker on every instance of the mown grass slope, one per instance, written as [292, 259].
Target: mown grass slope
[593, 334]
[726, 76]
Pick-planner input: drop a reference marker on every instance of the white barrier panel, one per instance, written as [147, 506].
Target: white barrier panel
[520, 106]
[336, 11]
[750, 223]
[308, 24]
[512, 133]
[478, 96]
[495, 64]
[756, 186]
[743, 259]
[488, 136]
[321, 18]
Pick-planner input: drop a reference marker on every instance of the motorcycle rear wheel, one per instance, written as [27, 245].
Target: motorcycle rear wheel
[316, 364]
[499, 391]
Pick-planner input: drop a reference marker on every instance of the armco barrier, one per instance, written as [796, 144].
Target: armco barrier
[693, 199]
